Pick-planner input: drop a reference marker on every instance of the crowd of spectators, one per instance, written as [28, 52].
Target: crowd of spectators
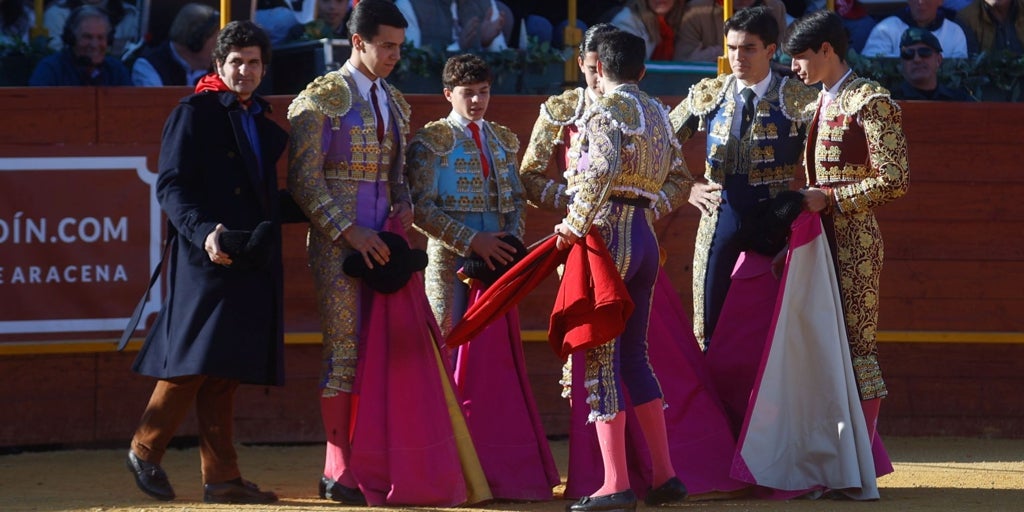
[674, 30]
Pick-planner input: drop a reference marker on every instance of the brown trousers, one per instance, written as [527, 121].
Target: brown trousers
[168, 406]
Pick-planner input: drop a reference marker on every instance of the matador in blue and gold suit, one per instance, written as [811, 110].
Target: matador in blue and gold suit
[454, 201]
[751, 167]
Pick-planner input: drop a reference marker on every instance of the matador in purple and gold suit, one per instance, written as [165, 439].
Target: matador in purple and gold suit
[625, 164]
[341, 175]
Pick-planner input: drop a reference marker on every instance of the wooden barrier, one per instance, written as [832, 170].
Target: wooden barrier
[952, 335]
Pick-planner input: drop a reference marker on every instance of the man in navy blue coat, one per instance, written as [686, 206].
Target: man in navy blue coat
[221, 324]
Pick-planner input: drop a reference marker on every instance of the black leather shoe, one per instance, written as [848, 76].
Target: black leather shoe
[332, 490]
[236, 491]
[671, 491]
[619, 501]
[150, 478]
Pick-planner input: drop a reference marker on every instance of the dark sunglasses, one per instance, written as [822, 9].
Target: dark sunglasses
[923, 52]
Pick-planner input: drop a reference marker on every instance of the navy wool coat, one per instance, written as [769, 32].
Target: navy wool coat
[217, 321]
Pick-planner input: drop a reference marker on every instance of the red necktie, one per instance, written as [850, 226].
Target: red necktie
[376, 111]
[484, 166]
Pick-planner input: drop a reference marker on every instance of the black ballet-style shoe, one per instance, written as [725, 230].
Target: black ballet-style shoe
[332, 490]
[150, 478]
[623, 501]
[671, 491]
[237, 491]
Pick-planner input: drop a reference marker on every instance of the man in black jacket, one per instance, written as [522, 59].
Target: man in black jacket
[221, 324]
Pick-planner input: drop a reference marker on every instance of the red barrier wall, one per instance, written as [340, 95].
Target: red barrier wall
[952, 335]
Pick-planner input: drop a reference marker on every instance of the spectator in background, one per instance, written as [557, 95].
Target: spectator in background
[920, 60]
[123, 17]
[334, 13]
[457, 25]
[993, 26]
[277, 18]
[702, 33]
[83, 60]
[542, 19]
[884, 40]
[857, 22]
[185, 57]
[657, 22]
[15, 21]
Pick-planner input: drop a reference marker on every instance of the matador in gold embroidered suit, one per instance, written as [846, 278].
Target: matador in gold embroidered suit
[341, 175]
[857, 154]
[750, 166]
[454, 201]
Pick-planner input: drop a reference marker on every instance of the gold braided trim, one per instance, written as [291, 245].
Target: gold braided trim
[839, 174]
[355, 171]
[705, 95]
[507, 138]
[859, 92]
[782, 173]
[328, 94]
[565, 108]
[797, 100]
[438, 136]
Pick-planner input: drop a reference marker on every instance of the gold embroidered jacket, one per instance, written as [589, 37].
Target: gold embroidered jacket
[550, 133]
[626, 148]
[857, 149]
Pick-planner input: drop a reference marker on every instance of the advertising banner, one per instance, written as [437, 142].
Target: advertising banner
[79, 237]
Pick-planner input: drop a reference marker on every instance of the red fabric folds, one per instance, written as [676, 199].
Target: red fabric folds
[211, 82]
[593, 304]
[507, 291]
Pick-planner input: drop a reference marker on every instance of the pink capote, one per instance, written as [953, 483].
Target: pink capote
[734, 356]
[405, 447]
[699, 438]
[804, 428]
[492, 381]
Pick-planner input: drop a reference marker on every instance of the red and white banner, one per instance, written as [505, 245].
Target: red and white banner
[79, 237]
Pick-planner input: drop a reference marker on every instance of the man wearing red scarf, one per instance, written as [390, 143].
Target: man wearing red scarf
[221, 324]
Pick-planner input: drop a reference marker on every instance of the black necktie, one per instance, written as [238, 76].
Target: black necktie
[376, 111]
[748, 110]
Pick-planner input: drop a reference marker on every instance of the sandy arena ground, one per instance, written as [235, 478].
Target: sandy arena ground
[932, 474]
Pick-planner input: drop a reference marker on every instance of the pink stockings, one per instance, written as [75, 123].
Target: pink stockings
[612, 437]
[337, 416]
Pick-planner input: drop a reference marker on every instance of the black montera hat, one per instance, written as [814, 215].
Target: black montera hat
[766, 230]
[392, 276]
[248, 249]
[476, 268]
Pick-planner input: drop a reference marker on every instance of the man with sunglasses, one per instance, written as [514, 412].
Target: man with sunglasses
[920, 60]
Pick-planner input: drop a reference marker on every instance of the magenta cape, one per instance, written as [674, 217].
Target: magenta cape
[502, 417]
[734, 356]
[405, 439]
[804, 428]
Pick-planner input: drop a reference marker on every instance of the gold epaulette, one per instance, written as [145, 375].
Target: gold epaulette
[859, 93]
[403, 106]
[564, 108]
[328, 94]
[622, 109]
[705, 95]
[798, 101]
[437, 136]
[506, 137]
